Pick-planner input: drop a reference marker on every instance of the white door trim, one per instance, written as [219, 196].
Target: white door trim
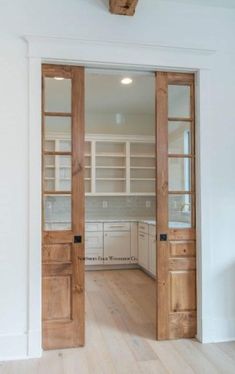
[109, 54]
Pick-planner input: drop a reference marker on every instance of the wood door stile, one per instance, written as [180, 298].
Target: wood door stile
[176, 254]
[62, 258]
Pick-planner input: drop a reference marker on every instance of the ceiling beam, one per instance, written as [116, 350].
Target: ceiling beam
[123, 7]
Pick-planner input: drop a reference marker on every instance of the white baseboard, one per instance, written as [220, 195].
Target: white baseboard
[216, 330]
[34, 344]
[13, 347]
[20, 346]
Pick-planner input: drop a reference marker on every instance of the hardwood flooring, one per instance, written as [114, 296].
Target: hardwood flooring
[120, 336]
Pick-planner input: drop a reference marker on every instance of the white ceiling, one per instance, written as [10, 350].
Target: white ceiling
[106, 94]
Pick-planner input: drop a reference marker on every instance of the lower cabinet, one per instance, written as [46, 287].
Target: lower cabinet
[152, 255]
[147, 247]
[143, 249]
[117, 243]
[117, 247]
[94, 246]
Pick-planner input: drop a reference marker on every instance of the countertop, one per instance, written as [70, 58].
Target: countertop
[149, 221]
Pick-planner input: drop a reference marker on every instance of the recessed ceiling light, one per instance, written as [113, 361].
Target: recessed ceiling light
[126, 80]
[59, 78]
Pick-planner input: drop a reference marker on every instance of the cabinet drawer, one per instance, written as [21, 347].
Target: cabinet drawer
[143, 227]
[93, 240]
[94, 226]
[94, 256]
[117, 226]
[152, 230]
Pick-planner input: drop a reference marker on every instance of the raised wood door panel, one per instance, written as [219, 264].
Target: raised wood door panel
[63, 208]
[175, 184]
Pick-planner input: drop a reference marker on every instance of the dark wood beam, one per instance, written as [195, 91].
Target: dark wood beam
[123, 7]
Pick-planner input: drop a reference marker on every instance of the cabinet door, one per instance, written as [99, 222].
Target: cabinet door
[94, 248]
[152, 255]
[117, 248]
[134, 242]
[143, 250]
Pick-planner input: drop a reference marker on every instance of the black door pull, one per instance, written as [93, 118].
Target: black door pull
[77, 239]
[163, 237]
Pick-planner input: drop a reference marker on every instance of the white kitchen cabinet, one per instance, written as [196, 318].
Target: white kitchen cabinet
[117, 247]
[147, 247]
[152, 255]
[94, 226]
[117, 226]
[143, 249]
[134, 243]
[94, 244]
[143, 227]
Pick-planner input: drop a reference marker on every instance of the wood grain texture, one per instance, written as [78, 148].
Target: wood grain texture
[161, 132]
[176, 259]
[56, 252]
[123, 7]
[120, 336]
[62, 259]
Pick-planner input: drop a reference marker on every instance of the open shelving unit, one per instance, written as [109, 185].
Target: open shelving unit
[57, 168]
[142, 167]
[114, 165]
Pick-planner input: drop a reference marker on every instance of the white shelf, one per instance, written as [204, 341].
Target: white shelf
[143, 167]
[110, 167]
[110, 179]
[142, 179]
[115, 165]
[144, 155]
[120, 194]
[110, 155]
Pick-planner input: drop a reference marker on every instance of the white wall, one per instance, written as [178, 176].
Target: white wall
[158, 22]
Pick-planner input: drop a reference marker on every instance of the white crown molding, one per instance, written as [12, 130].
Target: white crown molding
[115, 53]
[31, 39]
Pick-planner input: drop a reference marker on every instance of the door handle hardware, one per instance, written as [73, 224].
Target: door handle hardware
[163, 237]
[77, 239]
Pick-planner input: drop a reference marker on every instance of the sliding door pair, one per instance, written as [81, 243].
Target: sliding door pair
[63, 206]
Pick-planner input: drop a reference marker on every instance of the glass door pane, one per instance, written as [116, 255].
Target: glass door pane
[58, 95]
[57, 154]
[180, 156]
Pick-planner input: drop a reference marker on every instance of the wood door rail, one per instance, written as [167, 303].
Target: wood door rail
[123, 7]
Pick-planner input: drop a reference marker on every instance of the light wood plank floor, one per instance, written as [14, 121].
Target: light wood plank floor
[120, 329]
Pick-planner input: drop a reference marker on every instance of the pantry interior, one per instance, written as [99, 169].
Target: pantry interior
[120, 170]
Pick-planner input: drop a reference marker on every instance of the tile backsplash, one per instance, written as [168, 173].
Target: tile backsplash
[119, 207]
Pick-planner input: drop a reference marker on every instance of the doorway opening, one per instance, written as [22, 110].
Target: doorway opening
[120, 205]
[119, 172]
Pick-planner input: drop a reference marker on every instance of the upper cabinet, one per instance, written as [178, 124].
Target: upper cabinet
[114, 166]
